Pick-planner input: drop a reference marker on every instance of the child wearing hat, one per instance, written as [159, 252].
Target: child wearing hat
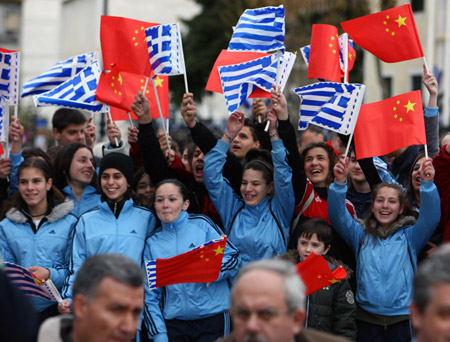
[117, 225]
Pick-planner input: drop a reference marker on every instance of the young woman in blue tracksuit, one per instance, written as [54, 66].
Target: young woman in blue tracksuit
[194, 312]
[258, 223]
[75, 176]
[386, 246]
[116, 225]
[37, 229]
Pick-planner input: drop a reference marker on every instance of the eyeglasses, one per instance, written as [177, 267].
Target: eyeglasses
[265, 315]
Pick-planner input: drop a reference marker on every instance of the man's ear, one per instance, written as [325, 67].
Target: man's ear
[326, 250]
[56, 133]
[415, 316]
[299, 318]
[79, 306]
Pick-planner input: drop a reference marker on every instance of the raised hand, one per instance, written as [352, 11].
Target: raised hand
[113, 132]
[90, 133]
[341, 170]
[235, 123]
[189, 109]
[427, 170]
[141, 108]
[259, 110]
[278, 104]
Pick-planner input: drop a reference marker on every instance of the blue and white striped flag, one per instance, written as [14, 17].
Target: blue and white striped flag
[77, 92]
[165, 50]
[4, 119]
[240, 80]
[331, 105]
[9, 75]
[259, 29]
[57, 74]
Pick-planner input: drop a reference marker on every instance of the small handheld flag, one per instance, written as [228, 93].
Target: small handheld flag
[77, 92]
[200, 265]
[240, 80]
[165, 52]
[316, 273]
[260, 30]
[388, 125]
[391, 35]
[30, 285]
[57, 74]
[331, 105]
[9, 75]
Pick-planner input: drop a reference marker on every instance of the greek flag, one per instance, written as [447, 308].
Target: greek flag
[331, 105]
[4, 119]
[165, 50]
[240, 80]
[259, 29]
[306, 49]
[9, 75]
[57, 74]
[77, 92]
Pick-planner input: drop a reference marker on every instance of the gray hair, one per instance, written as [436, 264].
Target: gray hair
[116, 266]
[293, 285]
[432, 271]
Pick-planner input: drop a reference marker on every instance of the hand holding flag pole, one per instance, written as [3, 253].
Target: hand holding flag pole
[277, 81]
[110, 118]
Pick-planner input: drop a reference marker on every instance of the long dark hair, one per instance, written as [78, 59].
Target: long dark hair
[410, 193]
[333, 158]
[62, 163]
[17, 201]
[371, 223]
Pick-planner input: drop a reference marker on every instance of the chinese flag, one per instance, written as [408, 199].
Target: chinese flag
[324, 53]
[123, 44]
[233, 57]
[316, 273]
[201, 265]
[388, 125]
[390, 35]
[118, 89]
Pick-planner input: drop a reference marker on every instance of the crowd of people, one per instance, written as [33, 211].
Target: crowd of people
[276, 195]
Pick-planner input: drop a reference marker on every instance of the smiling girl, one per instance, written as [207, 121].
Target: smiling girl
[116, 225]
[386, 246]
[37, 229]
[257, 223]
[171, 310]
[75, 176]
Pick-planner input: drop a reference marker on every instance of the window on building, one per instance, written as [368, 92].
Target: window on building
[387, 86]
[416, 81]
[9, 22]
[417, 5]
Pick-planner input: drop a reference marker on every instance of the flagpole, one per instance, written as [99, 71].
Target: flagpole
[129, 118]
[16, 107]
[345, 56]
[426, 64]
[277, 80]
[182, 55]
[110, 119]
[358, 106]
[161, 116]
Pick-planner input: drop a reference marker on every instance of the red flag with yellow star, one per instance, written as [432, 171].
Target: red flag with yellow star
[316, 274]
[200, 265]
[391, 35]
[388, 125]
[123, 44]
[118, 89]
[324, 53]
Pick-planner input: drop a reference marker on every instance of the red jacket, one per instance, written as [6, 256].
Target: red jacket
[441, 165]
